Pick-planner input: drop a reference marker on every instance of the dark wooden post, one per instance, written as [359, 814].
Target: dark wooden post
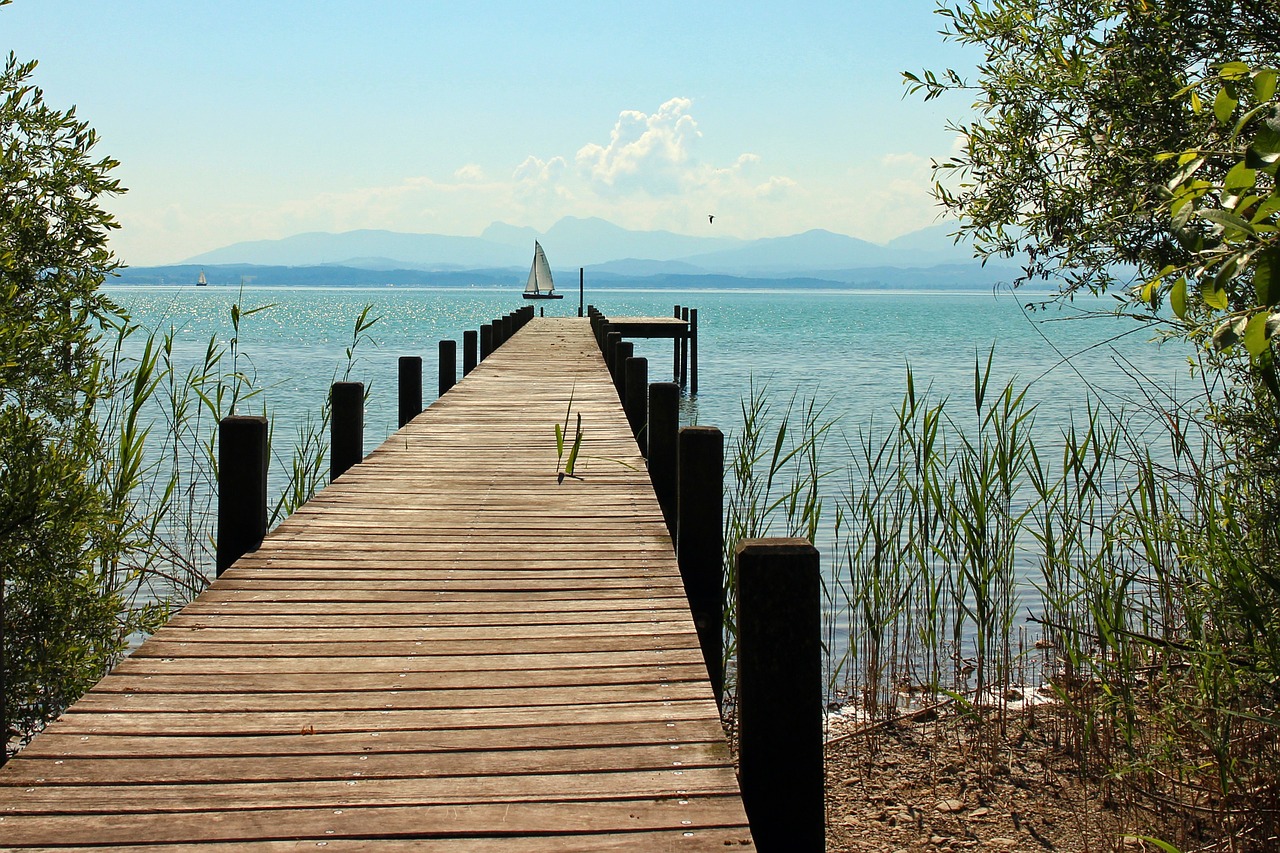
[346, 427]
[693, 352]
[684, 350]
[623, 351]
[635, 396]
[486, 341]
[675, 360]
[664, 427]
[469, 347]
[499, 333]
[243, 458]
[410, 388]
[700, 540]
[610, 345]
[780, 693]
[448, 365]
[580, 291]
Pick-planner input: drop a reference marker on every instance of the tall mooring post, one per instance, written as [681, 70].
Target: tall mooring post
[700, 540]
[243, 458]
[684, 350]
[780, 693]
[346, 427]
[635, 396]
[410, 388]
[664, 429]
[469, 347]
[448, 365]
[693, 352]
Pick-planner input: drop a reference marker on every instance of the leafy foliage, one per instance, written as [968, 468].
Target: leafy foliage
[1077, 100]
[65, 616]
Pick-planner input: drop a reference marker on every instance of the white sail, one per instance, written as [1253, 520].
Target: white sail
[202, 280]
[540, 273]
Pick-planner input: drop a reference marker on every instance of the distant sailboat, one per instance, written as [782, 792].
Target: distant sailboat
[540, 285]
[202, 281]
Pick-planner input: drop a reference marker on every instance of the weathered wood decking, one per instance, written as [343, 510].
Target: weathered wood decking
[445, 645]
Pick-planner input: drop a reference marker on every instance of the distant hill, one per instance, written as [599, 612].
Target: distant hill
[612, 256]
[576, 242]
[812, 250]
[652, 274]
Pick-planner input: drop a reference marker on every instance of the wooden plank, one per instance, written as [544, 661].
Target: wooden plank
[692, 839]
[115, 799]
[228, 722]
[419, 821]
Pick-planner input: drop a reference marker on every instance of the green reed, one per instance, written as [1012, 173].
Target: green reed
[775, 479]
[973, 554]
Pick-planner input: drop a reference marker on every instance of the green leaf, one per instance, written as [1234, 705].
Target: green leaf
[1224, 105]
[1164, 846]
[1270, 205]
[572, 461]
[1178, 297]
[1214, 296]
[1241, 177]
[1234, 71]
[1255, 334]
[1149, 291]
[1265, 148]
[1266, 276]
[1233, 227]
[1264, 85]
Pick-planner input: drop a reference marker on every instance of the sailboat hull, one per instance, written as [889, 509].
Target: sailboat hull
[543, 296]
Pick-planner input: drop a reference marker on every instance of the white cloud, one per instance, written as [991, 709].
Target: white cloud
[646, 152]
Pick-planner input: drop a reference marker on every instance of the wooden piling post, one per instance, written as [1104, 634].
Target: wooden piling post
[675, 360]
[499, 332]
[448, 365]
[693, 352]
[623, 351]
[684, 350]
[346, 427]
[780, 693]
[611, 340]
[243, 458]
[469, 347]
[700, 540]
[664, 429]
[580, 291]
[410, 386]
[486, 341]
[635, 396]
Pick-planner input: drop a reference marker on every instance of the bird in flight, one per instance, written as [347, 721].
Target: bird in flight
[711, 217]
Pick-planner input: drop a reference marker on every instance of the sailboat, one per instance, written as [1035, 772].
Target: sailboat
[202, 281]
[540, 285]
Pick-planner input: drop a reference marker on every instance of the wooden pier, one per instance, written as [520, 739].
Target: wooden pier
[450, 644]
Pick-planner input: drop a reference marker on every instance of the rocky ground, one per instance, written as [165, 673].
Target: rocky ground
[927, 784]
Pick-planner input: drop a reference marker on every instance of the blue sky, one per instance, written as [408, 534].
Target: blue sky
[240, 120]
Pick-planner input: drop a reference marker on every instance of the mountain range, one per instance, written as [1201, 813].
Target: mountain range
[607, 252]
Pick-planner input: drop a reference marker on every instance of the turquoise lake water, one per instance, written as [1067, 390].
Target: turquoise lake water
[847, 349]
